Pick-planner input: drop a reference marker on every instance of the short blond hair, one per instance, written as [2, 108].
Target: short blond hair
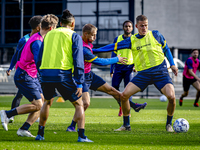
[141, 18]
[88, 28]
[49, 20]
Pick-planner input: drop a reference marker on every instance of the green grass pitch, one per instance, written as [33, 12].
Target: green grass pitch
[148, 127]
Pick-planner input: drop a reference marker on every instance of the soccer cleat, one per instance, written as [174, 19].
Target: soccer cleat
[71, 129]
[38, 120]
[123, 128]
[26, 133]
[120, 112]
[11, 119]
[84, 140]
[169, 128]
[196, 105]
[180, 102]
[4, 120]
[39, 138]
[139, 106]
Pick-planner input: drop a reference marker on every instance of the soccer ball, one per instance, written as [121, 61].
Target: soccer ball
[163, 98]
[181, 125]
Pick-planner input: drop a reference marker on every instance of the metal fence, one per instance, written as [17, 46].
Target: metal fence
[7, 85]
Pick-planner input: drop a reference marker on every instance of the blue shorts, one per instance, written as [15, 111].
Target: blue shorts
[66, 89]
[158, 76]
[92, 81]
[28, 86]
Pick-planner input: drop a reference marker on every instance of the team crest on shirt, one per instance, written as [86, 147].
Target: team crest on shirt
[139, 47]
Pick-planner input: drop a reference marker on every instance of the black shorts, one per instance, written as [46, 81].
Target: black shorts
[187, 82]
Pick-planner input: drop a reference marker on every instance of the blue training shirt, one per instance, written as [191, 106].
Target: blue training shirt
[18, 51]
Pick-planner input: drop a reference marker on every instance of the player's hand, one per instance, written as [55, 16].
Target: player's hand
[111, 75]
[122, 59]
[174, 70]
[79, 92]
[8, 72]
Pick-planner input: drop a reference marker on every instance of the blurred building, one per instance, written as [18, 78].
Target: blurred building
[177, 20]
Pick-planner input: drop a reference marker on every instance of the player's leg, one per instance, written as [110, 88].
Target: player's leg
[127, 78]
[106, 88]
[130, 90]
[49, 94]
[80, 119]
[17, 99]
[197, 87]
[32, 117]
[86, 104]
[168, 91]
[116, 80]
[186, 87]
[16, 103]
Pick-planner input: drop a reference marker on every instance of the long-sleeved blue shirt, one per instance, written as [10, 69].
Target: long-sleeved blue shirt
[127, 44]
[89, 57]
[18, 51]
[58, 75]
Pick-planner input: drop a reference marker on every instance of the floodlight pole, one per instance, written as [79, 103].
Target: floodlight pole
[21, 7]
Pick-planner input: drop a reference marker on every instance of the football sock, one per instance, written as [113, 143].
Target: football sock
[196, 100]
[169, 120]
[25, 126]
[119, 103]
[11, 112]
[73, 124]
[126, 121]
[41, 130]
[81, 133]
[132, 104]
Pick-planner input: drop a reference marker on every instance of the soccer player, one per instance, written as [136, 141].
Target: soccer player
[124, 71]
[62, 68]
[190, 77]
[26, 78]
[34, 22]
[92, 81]
[148, 49]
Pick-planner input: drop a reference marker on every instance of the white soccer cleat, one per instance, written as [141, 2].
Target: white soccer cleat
[25, 133]
[169, 128]
[4, 120]
[123, 128]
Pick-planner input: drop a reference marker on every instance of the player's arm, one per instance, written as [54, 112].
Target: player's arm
[190, 69]
[15, 56]
[38, 60]
[78, 61]
[89, 57]
[115, 46]
[159, 37]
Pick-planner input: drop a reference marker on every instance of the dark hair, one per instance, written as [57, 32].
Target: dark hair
[141, 18]
[35, 21]
[67, 17]
[194, 50]
[49, 20]
[88, 28]
[127, 21]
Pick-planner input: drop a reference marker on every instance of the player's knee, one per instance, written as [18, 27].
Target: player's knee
[123, 97]
[86, 105]
[172, 99]
[38, 106]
